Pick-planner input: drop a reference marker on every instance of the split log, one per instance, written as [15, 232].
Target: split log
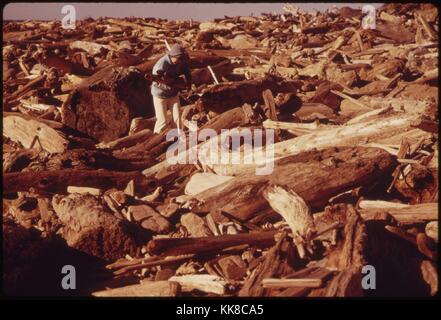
[315, 181]
[25, 132]
[178, 246]
[58, 181]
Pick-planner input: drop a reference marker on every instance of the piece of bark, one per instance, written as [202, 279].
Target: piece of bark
[232, 267]
[25, 131]
[270, 105]
[58, 181]
[90, 228]
[175, 246]
[144, 289]
[149, 219]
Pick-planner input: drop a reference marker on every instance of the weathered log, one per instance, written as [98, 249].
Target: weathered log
[58, 181]
[315, 181]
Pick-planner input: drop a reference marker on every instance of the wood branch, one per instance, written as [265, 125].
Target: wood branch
[24, 131]
[292, 208]
[176, 246]
[58, 181]
[127, 141]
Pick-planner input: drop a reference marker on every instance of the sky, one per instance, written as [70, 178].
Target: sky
[171, 11]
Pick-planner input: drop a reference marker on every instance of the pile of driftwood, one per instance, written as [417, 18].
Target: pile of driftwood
[355, 174]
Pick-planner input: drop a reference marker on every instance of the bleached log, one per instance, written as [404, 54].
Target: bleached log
[84, 190]
[203, 282]
[24, 131]
[203, 181]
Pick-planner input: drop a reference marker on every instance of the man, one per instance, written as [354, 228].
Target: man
[165, 91]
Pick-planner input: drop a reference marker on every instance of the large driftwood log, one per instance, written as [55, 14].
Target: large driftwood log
[346, 135]
[58, 181]
[316, 181]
